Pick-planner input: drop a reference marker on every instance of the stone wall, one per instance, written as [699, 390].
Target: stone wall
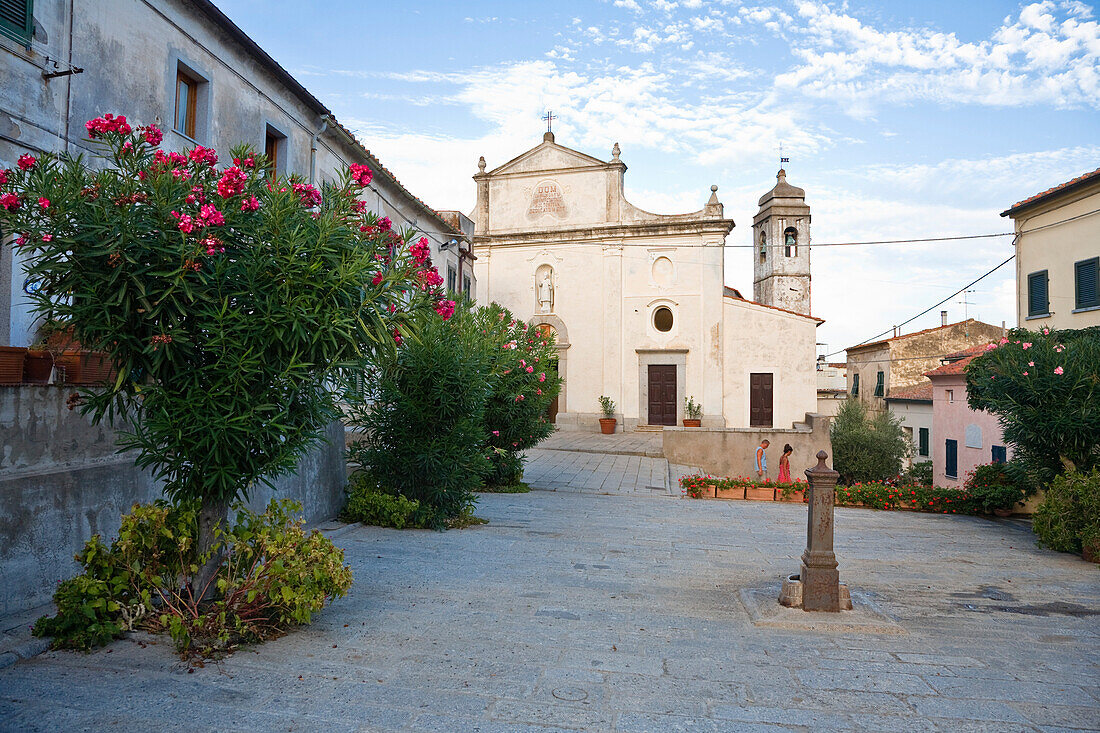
[732, 451]
[61, 481]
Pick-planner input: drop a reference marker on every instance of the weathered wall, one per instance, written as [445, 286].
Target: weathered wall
[732, 451]
[61, 482]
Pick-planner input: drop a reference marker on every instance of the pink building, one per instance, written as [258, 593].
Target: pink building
[964, 438]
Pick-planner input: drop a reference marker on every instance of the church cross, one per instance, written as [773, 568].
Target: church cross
[549, 117]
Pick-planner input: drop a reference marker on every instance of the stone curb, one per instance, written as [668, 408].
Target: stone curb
[26, 650]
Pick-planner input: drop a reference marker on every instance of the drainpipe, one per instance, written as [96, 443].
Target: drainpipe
[313, 148]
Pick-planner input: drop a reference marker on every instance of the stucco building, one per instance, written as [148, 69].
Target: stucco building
[1058, 255]
[913, 407]
[832, 386]
[964, 438]
[876, 370]
[637, 300]
[186, 66]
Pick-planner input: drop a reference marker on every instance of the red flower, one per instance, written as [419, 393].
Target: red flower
[27, 161]
[10, 201]
[361, 174]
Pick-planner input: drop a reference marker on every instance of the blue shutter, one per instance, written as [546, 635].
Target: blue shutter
[17, 20]
[1037, 303]
[922, 448]
[1087, 277]
[952, 467]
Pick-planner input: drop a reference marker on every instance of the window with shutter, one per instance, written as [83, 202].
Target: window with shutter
[1087, 277]
[880, 384]
[1037, 304]
[17, 20]
[951, 470]
[922, 445]
[855, 384]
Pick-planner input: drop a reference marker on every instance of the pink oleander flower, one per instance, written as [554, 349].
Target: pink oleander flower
[385, 224]
[186, 223]
[445, 308]
[496, 433]
[211, 216]
[1003, 341]
[27, 161]
[1046, 331]
[1025, 374]
[360, 174]
[1059, 348]
[204, 155]
[153, 135]
[420, 251]
[530, 369]
[542, 376]
[377, 279]
[250, 204]
[248, 162]
[232, 182]
[309, 195]
[10, 201]
[990, 347]
[1026, 345]
[397, 336]
[1059, 371]
[3, 176]
[1031, 363]
[47, 237]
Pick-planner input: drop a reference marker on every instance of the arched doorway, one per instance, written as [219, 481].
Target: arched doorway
[551, 325]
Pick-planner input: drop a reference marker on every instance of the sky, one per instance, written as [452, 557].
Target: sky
[901, 120]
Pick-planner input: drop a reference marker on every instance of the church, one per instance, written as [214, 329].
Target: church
[637, 301]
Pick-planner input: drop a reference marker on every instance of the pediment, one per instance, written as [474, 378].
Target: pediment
[548, 156]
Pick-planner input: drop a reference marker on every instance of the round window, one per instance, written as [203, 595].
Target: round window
[662, 319]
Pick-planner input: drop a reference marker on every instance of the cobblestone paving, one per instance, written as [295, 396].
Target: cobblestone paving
[640, 444]
[579, 611]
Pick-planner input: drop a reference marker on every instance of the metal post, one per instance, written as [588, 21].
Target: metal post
[820, 577]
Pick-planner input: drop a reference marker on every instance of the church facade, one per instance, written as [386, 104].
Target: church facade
[637, 300]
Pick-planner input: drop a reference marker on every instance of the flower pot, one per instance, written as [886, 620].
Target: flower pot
[1003, 512]
[795, 497]
[95, 368]
[67, 367]
[692, 423]
[37, 367]
[732, 493]
[758, 493]
[11, 364]
[607, 425]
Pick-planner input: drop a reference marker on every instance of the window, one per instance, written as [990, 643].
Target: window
[950, 394]
[17, 20]
[790, 243]
[855, 384]
[452, 279]
[1087, 279]
[763, 247]
[187, 102]
[466, 284]
[951, 468]
[275, 151]
[1037, 303]
[662, 319]
[1000, 455]
[880, 384]
[922, 441]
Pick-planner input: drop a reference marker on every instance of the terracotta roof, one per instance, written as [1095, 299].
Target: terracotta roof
[728, 294]
[915, 333]
[921, 393]
[1060, 188]
[959, 361]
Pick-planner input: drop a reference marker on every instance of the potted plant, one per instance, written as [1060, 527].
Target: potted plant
[694, 412]
[38, 365]
[59, 340]
[793, 492]
[11, 364]
[607, 422]
[993, 489]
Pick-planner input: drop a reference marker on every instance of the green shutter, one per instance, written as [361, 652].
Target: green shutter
[923, 437]
[880, 384]
[952, 451]
[17, 20]
[1037, 303]
[1087, 277]
[855, 384]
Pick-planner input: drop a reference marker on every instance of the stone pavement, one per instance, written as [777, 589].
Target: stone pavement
[580, 611]
[636, 444]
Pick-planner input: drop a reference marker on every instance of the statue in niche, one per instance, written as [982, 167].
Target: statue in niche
[545, 288]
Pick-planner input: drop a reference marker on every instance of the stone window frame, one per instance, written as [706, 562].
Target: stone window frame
[204, 102]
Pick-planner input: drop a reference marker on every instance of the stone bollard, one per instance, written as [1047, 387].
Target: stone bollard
[818, 587]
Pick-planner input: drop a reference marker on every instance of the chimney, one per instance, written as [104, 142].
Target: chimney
[943, 318]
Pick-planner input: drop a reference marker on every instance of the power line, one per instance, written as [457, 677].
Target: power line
[930, 308]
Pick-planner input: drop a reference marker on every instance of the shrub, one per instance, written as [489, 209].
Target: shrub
[918, 473]
[867, 448]
[1068, 519]
[914, 497]
[993, 487]
[271, 576]
[425, 430]
[607, 406]
[1043, 388]
[369, 505]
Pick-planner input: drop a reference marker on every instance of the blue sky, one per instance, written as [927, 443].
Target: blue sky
[902, 120]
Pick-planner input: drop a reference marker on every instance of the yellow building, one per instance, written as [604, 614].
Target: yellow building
[1058, 255]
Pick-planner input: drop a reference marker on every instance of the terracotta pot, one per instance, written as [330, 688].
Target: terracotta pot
[1003, 512]
[607, 425]
[11, 364]
[690, 423]
[795, 497]
[760, 494]
[37, 367]
[95, 368]
[738, 493]
[68, 368]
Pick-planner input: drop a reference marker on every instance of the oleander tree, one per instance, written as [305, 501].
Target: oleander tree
[1044, 388]
[232, 302]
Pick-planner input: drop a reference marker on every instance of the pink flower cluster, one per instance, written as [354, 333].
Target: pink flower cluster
[429, 278]
[153, 135]
[232, 182]
[26, 161]
[309, 195]
[445, 308]
[248, 162]
[107, 123]
[385, 224]
[43, 202]
[204, 155]
[211, 216]
[377, 279]
[361, 174]
[250, 204]
[3, 176]
[186, 223]
[420, 251]
[10, 201]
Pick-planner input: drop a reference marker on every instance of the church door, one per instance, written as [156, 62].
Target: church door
[552, 411]
[760, 400]
[662, 394]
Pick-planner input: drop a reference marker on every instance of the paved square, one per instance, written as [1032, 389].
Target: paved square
[594, 612]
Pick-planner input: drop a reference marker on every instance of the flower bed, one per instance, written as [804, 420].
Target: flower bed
[877, 495]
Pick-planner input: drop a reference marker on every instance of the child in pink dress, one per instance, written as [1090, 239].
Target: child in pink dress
[785, 464]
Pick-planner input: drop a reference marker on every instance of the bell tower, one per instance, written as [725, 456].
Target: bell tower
[781, 251]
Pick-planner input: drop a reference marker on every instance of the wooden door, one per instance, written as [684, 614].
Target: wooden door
[760, 400]
[662, 394]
